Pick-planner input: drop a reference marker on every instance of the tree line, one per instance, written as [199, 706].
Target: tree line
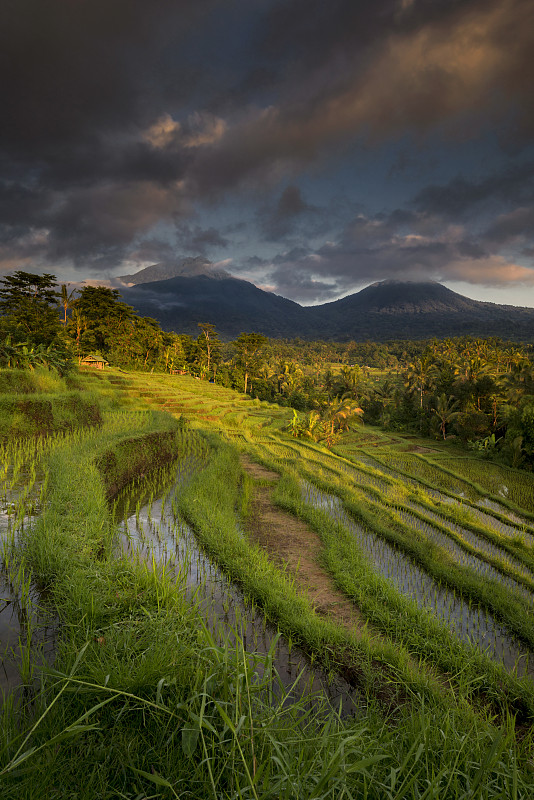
[479, 391]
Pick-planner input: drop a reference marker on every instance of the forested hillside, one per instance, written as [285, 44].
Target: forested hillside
[385, 310]
[476, 392]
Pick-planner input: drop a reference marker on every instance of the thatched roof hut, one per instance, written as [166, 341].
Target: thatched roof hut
[92, 360]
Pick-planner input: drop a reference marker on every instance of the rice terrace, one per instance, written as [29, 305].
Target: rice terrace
[198, 601]
[267, 400]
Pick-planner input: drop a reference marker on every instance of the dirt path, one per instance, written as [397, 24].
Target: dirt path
[290, 543]
[295, 547]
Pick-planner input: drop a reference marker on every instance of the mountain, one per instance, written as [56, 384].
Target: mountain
[185, 267]
[232, 305]
[408, 297]
[384, 310]
[409, 310]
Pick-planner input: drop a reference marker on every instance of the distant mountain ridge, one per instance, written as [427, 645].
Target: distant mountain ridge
[184, 267]
[231, 304]
[409, 297]
[385, 310]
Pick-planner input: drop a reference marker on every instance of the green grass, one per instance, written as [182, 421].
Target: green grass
[143, 702]
[508, 484]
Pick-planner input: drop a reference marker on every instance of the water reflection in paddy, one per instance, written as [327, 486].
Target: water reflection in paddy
[478, 514]
[26, 626]
[152, 529]
[470, 623]
[485, 546]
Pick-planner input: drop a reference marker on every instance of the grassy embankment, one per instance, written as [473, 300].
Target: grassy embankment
[126, 713]
[475, 588]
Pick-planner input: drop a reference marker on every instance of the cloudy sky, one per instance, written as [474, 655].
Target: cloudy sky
[312, 147]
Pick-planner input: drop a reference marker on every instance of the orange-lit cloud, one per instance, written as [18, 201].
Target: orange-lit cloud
[489, 271]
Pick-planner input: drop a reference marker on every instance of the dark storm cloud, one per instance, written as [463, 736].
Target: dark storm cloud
[126, 116]
[400, 245]
[460, 197]
[296, 280]
[70, 69]
[152, 251]
[79, 81]
[110, 160]
[456, 69]
[99, 223]
[281, 219]
[19, 203]
[431, 60]
[513, 227]
[199, 240]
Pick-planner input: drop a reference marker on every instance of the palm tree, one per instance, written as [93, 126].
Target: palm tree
[80, 324]
[520, 380]
[418, 375]
[340, 412]
[66, 300]
[387, 395]
[290, 377]
[351, 378]
[446, 411]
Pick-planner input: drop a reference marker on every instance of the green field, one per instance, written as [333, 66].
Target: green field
[179, 633]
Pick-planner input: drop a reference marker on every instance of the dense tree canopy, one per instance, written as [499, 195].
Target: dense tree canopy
[28, 305]
[249, 348]
[479, 391]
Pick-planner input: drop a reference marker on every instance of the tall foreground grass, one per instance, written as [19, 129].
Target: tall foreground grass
[141, 702]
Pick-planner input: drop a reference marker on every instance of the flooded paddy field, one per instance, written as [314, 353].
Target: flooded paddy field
[520, 530]
[28, 627]
[159, 649]
[471, 623]
[448, 489]
[151, 530]
[382, 487]
[386, 484]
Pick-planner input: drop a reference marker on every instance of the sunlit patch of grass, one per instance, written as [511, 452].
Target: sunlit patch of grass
[144, 700]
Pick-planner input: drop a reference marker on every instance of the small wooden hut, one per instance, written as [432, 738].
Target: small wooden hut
[97, 361]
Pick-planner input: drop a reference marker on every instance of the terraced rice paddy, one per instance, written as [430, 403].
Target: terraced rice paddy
[520, 529]
[500, 481]
[460, 555]
[383, 486]
[428, 579]
[455, 546]
[483, 546]
[473, 625]
[461, 546]
[27, 627]
[150, 529]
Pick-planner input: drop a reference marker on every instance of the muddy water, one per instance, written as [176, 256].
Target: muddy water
[154, 530]
[470, 623]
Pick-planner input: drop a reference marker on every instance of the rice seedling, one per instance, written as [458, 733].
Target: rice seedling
[228, 615]
[456, 548]
[509, 484]
[470, 623]
[164, 681]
